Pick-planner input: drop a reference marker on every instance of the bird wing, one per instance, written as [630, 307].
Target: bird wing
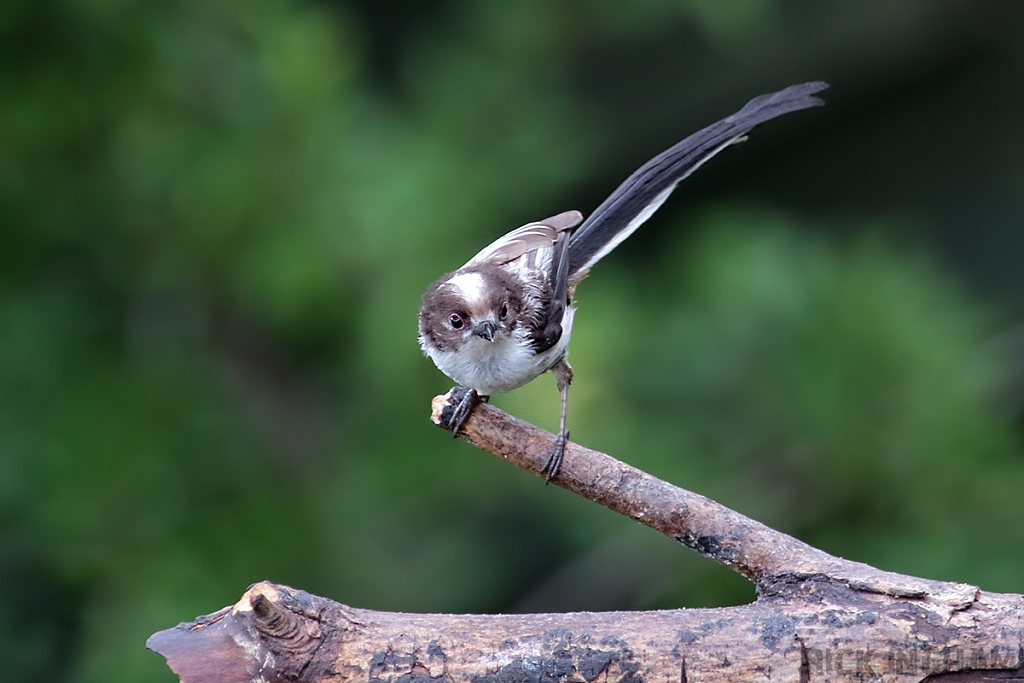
[525, 239]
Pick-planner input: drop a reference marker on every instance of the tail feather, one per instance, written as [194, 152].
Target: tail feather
[640, 195]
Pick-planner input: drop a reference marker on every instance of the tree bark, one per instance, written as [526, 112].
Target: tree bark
[816, 617]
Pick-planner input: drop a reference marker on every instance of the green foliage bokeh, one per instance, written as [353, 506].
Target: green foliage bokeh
[217, 219]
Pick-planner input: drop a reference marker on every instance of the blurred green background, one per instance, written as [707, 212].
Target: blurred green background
[217, 218]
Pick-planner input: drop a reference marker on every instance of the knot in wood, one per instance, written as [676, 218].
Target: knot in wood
[291, 632]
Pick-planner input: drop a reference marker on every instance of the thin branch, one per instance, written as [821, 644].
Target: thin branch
[767, 557]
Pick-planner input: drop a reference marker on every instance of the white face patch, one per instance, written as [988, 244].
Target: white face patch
[471, 287]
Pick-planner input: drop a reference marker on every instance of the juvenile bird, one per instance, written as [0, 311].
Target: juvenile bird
[506, 316]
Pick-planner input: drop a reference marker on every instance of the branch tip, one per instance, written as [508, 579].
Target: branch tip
[437, 405]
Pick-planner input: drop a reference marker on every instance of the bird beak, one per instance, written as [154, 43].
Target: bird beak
[485, 330]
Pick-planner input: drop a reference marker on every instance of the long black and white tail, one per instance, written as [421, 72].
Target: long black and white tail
[642, 193]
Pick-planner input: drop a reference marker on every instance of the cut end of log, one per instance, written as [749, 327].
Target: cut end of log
[204, 651]
[270, 625]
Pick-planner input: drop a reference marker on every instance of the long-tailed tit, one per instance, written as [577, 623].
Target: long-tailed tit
[506, 316]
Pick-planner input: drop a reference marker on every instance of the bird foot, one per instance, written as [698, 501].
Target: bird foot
[555, 457]
[461, 402]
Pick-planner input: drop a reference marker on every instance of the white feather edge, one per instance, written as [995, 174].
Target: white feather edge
[512, 245]
[526, 238]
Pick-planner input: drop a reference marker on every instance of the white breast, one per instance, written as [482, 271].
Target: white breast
[504, 364]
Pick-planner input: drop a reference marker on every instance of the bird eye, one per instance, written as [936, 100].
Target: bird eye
[504, 311]
[455, 320]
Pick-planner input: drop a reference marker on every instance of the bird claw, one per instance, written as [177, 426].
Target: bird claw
[460, 406]
[555, 457]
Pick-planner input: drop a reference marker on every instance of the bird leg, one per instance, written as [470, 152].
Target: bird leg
[460, 406]
[563, 377]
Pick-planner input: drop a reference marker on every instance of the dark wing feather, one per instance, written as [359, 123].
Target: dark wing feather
[550, 329]
[643, 192]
